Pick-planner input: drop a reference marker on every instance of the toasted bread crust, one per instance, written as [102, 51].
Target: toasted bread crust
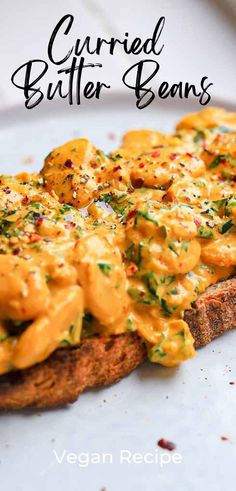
[214, 312]
[103, 361]
[68, 372]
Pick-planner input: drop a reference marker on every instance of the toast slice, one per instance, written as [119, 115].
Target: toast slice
[214, 312]
[103, 361]
[69, 371]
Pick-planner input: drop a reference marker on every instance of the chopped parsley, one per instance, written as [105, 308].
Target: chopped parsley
[217, 160]
[200, 136]
[171, 246]
[144, 215]
[204, 232]
[151, 283]
[226, 226]
[166, 308]
[140, 296]
[4, 337]
[105, 268]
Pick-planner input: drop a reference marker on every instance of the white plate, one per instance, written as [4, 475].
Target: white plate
[193, 406]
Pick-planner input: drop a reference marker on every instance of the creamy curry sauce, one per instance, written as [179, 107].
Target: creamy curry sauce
[98, 244]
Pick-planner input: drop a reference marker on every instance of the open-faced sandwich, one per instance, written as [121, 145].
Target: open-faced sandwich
[108, 259]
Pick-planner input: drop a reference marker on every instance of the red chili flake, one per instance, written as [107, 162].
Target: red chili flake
[167, 445]
[223, 160]
[69, 164]
[131, 214]
[197, 222]
[39, 221]
[173, 156]
[155, 154]
[231, 383]
[224, 438]
[141, 165]
[189, 155]
[25, 200]
[116, 168]
[99, 179]
[93, 164]
[16, 251]
[141, 294]
[138, 183]
[131, 270]
[34, 238]
[67, 226]
[6, 190]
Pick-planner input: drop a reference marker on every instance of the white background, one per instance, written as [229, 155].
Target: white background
[199, 38]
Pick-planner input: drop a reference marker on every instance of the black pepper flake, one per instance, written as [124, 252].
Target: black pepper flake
[69, 164]
[210, 224]
[6, 190]
[69, 177]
